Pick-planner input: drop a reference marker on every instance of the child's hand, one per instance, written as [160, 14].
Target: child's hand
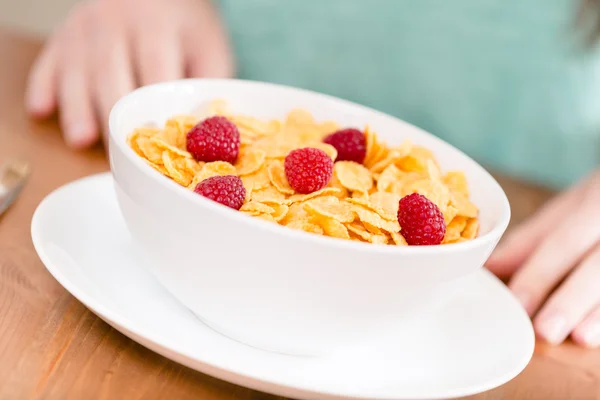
[107, 48]
[554, 260]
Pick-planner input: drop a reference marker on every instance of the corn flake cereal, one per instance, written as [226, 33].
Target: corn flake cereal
[257, 181]
[398, 239]
[353, 176]
[471, 230]
[339, 211]
[279, 211]
[278, 179]
[208, 170]
[457, 182]
[250, 161]
[333, 227]
[359, 203]
[360, 231]
[305, 226]
[455, 229]
[256, 207]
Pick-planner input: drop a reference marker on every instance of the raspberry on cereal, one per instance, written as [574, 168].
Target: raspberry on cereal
[308, 169]
[214, 139]
[350, 144]
[227, 190]
[421, 221]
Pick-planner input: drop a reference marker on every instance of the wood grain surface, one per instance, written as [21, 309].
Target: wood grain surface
[52, 347]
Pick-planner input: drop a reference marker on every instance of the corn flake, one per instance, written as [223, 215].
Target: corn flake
[296, 212]
[387, 202]
[278, 178]
[435, 191]
[328, 191]
[250, 161]
[305, 226]
[151, 151]
[416, 160]
[472, 229]
[335, 183]
[340, 211]
[398, 239]
[332, 227]
[360, 231]
[327, 148]
[454, 229]
[463, 205]
[379, 239]
[457, 182]
[255, 206]
[257, 181]
[266, 217]
[268, 195]
[389, 175]
[176, 169]
[280, 211]
[353, 176]
[450, 213]
[215, 168]
[374, 219]
[392, 157]
[159, 168]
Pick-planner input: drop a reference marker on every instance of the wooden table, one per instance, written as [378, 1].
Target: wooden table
[52, 347]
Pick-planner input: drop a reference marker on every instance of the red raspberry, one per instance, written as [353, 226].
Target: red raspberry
[421, 220]
[350, 144]
[214, 139]
[308, 169]
[227, 190]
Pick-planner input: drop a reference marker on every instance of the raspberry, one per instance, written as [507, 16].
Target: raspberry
[350, 144]
[308, 169]
[421, 220]
[214, 139]
[227, 190]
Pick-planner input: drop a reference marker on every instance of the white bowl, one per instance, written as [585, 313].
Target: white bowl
[269, 286]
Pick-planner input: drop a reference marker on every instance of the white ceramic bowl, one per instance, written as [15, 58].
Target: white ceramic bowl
[269, 286]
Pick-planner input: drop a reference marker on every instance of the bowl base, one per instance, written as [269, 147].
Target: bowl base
[370, 342]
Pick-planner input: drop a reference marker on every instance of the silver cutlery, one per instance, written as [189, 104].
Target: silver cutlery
[13, 176]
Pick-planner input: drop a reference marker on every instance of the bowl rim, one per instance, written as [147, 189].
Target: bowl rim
[256, 223]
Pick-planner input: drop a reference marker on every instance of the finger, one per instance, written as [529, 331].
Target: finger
[571, 302]
[587, 333]
[211, 61]
[40, 97]
[158, 56]
[564, 246]
[113, 74]
[519, 244]
[208, 53]
[77, 116]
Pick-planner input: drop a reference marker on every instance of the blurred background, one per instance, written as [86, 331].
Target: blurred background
[36, 17]
[504, 81]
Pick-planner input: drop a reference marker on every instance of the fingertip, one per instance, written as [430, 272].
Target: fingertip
[40, 110]
[551, 327]
[525, 299]
[38, 105]
[587, 333]
[582, 340]
[496, 259]
[504, 261]
[515, 249]
[40, 96]
[81, 135]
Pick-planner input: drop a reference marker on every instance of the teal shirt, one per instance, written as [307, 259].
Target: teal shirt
[506, 81]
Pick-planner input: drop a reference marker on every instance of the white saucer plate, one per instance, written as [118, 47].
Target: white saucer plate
[479, 340]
